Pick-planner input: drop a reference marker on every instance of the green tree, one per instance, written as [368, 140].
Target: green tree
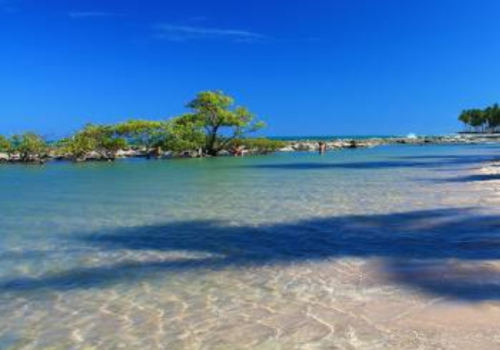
[106, 139]
[111, 145]
[185, 133]
[221, 120]
[465, 118]
[144, 133]
[77, 146]
[492, 115]
[30, 146]
[477, 119]
[487, 119]
[6, 146]
[102, 139]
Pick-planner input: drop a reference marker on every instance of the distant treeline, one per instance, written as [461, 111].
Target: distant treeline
[214, 126]
[481, 120]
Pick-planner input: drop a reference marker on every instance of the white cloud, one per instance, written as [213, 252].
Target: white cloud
[189, 33]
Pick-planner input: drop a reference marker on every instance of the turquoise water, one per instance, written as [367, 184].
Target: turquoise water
[333, 137]
[277, 252]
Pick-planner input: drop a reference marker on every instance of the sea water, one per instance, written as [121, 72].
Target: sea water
[395, 247]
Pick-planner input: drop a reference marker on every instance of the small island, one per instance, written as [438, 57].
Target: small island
[214, 126]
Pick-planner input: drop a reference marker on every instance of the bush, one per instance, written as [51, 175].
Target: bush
[6, 146]
[31, 147]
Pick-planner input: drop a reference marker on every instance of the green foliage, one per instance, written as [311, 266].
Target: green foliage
[112, 145]
[5, 145]
[185, 133]
[106, 138]
[492, 116]
[477, 120]
[102, 139]
[30, 146]
[78, 146]
[145, 133]
[214, 124]
[222, 122]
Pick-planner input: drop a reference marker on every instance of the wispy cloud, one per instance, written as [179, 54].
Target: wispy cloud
[190, 33]
[90, 14]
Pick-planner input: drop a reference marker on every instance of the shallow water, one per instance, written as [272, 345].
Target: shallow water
[385, 248]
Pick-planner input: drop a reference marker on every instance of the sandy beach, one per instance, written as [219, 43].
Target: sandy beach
[391, 247]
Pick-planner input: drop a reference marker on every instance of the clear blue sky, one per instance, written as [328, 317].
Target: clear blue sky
[306, 67]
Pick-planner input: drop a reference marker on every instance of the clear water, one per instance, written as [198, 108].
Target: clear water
[333, 137]
[385, 248]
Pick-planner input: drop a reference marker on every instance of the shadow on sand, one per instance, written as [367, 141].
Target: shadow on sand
[443, 252]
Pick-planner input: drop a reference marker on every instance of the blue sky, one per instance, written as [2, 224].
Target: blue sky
[306, 67]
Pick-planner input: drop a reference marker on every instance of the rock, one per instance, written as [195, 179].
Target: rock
[288, 148]
[337, 145]
[94, 156]
[224, 153]
[167, 155]
[126, 153]
[305, 146]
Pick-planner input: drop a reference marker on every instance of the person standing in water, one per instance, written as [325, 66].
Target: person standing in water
[322, 147]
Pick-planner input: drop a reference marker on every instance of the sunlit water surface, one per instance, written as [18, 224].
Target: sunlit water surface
[385, 248]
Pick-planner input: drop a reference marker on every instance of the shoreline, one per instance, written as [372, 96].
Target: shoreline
[299, 145]
[350, 143]
[384, 240]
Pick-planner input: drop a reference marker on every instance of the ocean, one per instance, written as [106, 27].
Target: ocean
[393, 247]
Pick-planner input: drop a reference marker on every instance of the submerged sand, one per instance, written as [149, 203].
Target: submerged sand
[416, 267]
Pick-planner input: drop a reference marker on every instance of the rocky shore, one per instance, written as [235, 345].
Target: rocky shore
[339, 144]
[289, 146]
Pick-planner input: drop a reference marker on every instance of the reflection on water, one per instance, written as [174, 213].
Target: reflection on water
[388, 248]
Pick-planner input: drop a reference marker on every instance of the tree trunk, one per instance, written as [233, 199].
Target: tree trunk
[211, 139]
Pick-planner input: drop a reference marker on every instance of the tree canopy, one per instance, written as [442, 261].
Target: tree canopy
[30, 146]
[214, 123]
[102, 139]
[184, 133]
[145, 133]
[5, 144]
[222, 121]
[481, 120]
